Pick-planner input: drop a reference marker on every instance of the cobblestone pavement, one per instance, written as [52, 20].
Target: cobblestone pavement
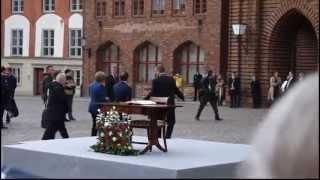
[237, 126]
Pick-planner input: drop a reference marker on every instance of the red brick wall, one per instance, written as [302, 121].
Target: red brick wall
[167, 32]
[265, 50]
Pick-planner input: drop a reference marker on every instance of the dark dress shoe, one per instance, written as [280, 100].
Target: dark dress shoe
[219, 119]
[4, 127]
[197, 118]
[8, 119]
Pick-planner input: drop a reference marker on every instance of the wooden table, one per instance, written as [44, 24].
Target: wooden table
[154, 112]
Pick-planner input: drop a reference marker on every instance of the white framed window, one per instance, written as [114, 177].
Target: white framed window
[16, 71]
[77, 77]
[17, 6]
[48, 5]
[16, 42]
[76, 5]
[47, 42]
[75, 48]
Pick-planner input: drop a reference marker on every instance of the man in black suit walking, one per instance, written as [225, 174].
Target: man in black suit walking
[165, 86]
[196, 84]
[111, 80]
[234, 90]
[207, 94]
[255, 92]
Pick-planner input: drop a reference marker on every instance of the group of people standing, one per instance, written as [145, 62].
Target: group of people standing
[279, 87]
[8, 104]
[58, 89]
[233, 85]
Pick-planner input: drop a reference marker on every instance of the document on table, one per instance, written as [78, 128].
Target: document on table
[142, 102]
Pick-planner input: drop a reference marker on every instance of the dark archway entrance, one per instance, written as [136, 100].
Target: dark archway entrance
[293, 45]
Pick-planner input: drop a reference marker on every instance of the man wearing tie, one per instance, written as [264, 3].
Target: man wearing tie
[196, 84]
[165, 86]
[207, 94]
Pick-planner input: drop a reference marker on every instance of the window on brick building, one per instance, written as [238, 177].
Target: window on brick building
[16, 42]
[188, 59]
[48, 42]
[119, 7]
[148, 57]
[17, 6]
[77, 77]
[101, 8]
[48, 5]
[138, 7]
[200, 6]
[76, 5]
[75, 49]
[16, 71]
[110, 58]
[179, 6]
[158, 7]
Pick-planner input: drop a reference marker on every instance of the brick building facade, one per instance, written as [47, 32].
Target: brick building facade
[190, 35]
[281, 35]
[38, 33]
[184, 38]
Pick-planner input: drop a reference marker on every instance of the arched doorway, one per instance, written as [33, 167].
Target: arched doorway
[108, 57]
[293, 45]
[146, 57]
[188, 59]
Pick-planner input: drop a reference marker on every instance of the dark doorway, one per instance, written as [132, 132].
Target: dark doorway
[38, 77]
[293, 45]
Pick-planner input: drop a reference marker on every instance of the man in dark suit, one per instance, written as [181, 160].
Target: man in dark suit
[165, 86]
[48, 79]
[12, 109]
[255, 92]
[57, 108]
[234, 90]
[196, 84]
[122, 90]
[207, 94]
[111, 80]
[290, 81]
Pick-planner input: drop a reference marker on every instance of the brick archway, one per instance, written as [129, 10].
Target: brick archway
[292, 36]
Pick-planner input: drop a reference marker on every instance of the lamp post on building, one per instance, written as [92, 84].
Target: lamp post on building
[240, 30]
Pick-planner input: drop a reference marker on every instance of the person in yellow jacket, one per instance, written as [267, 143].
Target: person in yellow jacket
[179, 80]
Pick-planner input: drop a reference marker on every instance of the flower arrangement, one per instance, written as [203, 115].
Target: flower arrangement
[114, 133]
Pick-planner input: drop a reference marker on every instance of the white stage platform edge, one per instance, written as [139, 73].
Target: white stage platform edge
[73, 158]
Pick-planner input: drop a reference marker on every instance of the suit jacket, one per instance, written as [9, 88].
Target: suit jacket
[165, 86]
[236, 85]
[46, 81]
[57, 106]
[255, 88]
[122, 91]
[97, 94]
[197, 80]
[208, 87]
[110, 82]
[290, 84]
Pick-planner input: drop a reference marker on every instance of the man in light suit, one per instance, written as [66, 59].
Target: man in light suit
[121, 89]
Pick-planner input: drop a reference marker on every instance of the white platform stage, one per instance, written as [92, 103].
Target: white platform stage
[73, 158]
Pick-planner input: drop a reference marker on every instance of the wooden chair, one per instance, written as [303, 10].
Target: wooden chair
[145, 123]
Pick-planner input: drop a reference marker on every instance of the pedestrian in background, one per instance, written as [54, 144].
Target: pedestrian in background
[57, 108]
[274, 88]
[220, 90]
[98, 94]
[70, 87]
[197, 77]
[255, 92]
[48, 78]
[207, 94]
[11, 108]
[4, 94]
[179, 81]
[234, 90]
